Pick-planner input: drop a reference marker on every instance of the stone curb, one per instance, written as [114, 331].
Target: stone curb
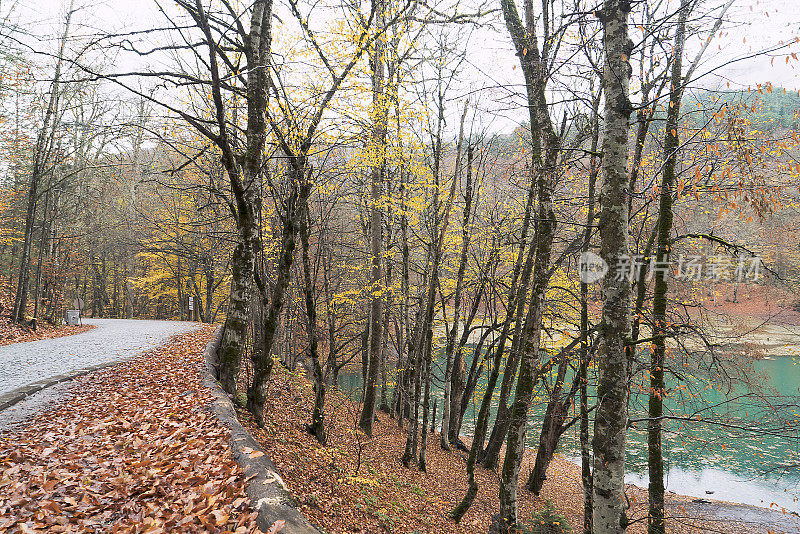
[15, 396]
[7, 400]
[266, 490]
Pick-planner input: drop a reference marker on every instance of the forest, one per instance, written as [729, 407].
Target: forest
[478, 266]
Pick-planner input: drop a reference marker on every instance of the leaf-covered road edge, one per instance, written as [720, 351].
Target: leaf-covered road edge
[267, 492]
[11, 333]
[9, 399]
[133, 448]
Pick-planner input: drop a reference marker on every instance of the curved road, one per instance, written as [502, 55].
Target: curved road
[112, 340]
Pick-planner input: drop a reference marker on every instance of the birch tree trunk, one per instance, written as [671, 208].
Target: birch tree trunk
[608, 515]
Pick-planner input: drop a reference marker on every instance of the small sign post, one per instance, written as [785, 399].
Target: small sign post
[78, 305]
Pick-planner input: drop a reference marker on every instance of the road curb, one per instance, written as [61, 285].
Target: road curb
[15, 396]
[267, 492]
[7, 400]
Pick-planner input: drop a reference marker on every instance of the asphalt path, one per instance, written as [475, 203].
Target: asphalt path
[26, 365]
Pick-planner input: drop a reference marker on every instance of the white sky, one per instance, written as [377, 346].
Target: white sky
[753, 25]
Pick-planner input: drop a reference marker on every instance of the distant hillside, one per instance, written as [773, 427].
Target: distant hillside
[775, 108]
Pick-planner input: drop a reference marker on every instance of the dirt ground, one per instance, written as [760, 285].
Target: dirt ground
[357, 484]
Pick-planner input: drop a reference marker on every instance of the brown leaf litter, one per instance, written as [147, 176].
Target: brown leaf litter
[134, 449]
[357, 484]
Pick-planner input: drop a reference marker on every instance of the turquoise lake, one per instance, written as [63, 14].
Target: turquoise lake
[703, 460]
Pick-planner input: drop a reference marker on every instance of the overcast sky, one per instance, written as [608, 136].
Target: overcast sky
[752, 26]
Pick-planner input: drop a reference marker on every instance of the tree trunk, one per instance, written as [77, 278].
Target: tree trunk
[482, 424]
[234, 336]
[517, 301]
[447, 404]
[415, 359]
[317, 426]
[384, 404]
[423, 465]
[400, 394]
[552, 428]
[655, 460]
[583, 369]
[613, 353]
[44, 143]
[457, 384]
[209, 273]
[262, 364]
[376, 278]
[474, 375]
[425, 319]
[526, 45]
[529, 351]
[433, 417]
[331, 367]
[427, 307]
[42, 247]
[244, 179]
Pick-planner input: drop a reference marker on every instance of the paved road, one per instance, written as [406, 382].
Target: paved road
[112, 339]
[16, 416]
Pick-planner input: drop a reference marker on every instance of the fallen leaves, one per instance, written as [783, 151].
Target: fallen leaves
[134, 450]
[276, 527]
[252, 453]
[357, 485]
[13, 333]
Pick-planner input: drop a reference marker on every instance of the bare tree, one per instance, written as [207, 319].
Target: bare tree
[43, 151]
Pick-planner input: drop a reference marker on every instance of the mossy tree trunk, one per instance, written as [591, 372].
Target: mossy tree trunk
[611, 417]
[244, 171]
[317, 426]
[546, 172]
[655, 458]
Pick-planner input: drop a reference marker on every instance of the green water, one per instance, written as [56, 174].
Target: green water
[734, 465]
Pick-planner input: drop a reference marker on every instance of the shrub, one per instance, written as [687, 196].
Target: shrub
[548, 520]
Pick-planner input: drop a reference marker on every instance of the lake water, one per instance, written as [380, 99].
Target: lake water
[701, 458]
[735, 466]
